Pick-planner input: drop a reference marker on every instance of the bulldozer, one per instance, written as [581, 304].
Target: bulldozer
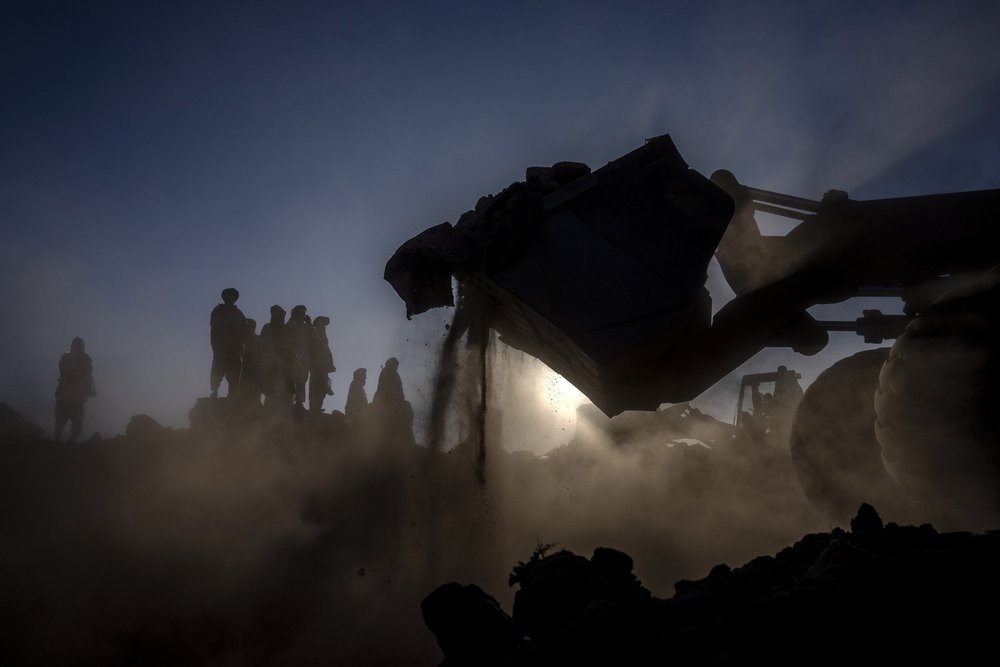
[602, 276]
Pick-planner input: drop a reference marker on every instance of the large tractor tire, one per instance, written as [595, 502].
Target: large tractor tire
[938, 408]
[837, 458]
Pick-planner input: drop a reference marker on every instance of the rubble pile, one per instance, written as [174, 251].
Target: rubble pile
[876, 594]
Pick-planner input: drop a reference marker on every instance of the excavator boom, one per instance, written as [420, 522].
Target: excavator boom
[601, 275]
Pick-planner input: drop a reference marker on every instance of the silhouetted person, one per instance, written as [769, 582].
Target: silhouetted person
[787, 394]
[766, 405]
[300, 332]
[229, 328]
[787, 391]
[356, 407]
[320, 365]
[76, 385]
[391, 413]
[275, 357]
[762, 402]
[250, 387]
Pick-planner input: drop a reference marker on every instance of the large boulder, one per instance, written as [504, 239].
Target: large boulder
[469, 625]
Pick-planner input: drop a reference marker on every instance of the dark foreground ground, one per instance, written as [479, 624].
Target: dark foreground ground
[237, 543]
[874, 595]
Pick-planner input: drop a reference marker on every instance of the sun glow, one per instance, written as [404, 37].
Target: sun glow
[559, 393]
[536, 406]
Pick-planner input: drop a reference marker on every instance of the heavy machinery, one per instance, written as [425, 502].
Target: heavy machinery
[601, 275]
[764, 397]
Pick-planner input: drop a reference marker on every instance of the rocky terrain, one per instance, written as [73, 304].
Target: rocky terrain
[874, 595]
[236, 541]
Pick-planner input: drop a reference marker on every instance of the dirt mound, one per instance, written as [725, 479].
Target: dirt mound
[877, 594]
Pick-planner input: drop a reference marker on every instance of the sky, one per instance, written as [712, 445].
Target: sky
[152, 154]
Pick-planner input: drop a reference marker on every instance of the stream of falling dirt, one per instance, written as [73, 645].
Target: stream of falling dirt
[466, 367]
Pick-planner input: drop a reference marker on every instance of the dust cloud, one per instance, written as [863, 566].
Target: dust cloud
[241, 541]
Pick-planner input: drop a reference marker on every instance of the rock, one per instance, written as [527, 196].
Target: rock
[555, 590]
[879, 594]
[867, 523]
[614, 565]
[608, 633]
[230, 418]
[840, 562]
[144, 427]
[469, 625]
[553, 593]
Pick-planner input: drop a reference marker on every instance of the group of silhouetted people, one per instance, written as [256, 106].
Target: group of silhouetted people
[285, 363]
[280, 363]
[291, 360]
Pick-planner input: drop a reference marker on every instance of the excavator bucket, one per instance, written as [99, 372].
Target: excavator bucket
[594, 273]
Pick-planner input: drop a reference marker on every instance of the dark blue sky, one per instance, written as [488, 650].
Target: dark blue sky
[153, 153]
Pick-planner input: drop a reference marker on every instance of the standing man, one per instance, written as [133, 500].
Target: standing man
[229, 328]
[76, 385]
[321, 365]
[787, 396]
[275, 363]
[250, 385]
[391, 413]
[300, 334]
[356, 407]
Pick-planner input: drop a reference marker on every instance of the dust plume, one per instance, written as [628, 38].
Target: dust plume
[226, 543]
[237, 542]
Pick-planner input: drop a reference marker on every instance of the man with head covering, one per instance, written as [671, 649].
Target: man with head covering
[76, 385]
[391, 412]
[787, 396]
[274, 354]
[356, 406]
[300, 333]
[228, 331]
[320, 365]
[389, 389]
[250, 389]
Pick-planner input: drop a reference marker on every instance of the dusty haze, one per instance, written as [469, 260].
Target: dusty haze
[233, 545]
